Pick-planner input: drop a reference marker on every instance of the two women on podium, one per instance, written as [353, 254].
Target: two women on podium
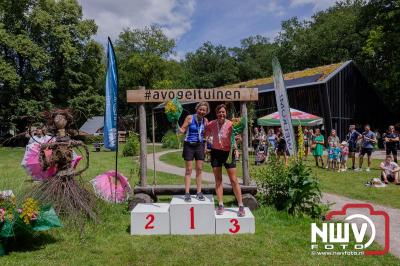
[197, 129]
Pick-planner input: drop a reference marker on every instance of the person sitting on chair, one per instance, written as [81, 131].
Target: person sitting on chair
[390, 171]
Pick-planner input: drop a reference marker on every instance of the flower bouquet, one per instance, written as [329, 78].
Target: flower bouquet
[238, 125]
[173, 110]
[30, 217]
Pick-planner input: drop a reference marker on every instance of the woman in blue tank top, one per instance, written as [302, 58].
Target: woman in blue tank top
[194, 146]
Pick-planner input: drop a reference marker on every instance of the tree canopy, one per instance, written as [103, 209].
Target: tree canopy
[47, 58]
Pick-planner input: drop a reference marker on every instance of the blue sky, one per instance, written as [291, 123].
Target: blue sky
[193, 22]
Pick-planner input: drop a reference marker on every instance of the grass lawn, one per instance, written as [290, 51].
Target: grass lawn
[279, 238]
[349, 184]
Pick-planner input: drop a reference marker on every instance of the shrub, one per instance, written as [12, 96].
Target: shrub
[132, 145]
[291, 188]
[171, 140]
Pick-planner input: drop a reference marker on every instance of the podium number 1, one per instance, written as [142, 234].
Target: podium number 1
[149, 225]
[192, 218]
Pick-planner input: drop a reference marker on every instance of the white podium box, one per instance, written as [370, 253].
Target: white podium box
[230, 223]
[150, 219]
[192, 218]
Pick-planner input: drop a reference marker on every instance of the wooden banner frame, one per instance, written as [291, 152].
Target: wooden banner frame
[139, 96]
[193, 95]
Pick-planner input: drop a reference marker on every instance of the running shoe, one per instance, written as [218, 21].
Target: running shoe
[200, 196]
[241, 212]
[358, 169]
[368, 170]
[187, 197]
[220, 210]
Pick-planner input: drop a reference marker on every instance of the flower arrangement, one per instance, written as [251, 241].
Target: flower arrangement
[7, 205]
[173, 110]
[26, 219]
[29, 211]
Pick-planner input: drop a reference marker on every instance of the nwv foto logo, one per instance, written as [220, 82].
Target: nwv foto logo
[331, 236]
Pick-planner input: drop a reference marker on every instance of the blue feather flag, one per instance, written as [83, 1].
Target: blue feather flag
[110, 131]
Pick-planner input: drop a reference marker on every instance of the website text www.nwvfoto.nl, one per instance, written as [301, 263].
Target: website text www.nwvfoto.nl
[337, 253]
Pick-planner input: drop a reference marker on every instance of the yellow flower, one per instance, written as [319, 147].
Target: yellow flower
[170, 107]
[300, 151]
[30, 210]
[235, 121]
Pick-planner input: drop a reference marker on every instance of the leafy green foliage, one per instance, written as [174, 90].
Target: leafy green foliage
[211, 66]
[291, 188]
[47, 58]
[142, 57]
[171, 140]
[132, 145]
[380, 55]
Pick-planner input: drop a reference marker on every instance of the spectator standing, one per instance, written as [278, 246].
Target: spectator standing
[392, 142]
[255, 140]
[336, 157]
[271, 139]
[351, 139]
[368, 139]
[329, 159]
[281, 148]
[344, 154]
[333, 141]
[318, 147]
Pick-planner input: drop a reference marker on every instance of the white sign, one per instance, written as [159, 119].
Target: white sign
[283, 107]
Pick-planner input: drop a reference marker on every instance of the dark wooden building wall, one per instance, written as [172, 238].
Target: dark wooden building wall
[354, 101]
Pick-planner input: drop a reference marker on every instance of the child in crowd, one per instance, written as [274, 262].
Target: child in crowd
[344, 154]
[330, 156]
[335, 157]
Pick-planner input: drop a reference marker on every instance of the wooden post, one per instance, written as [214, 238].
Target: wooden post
[245, 146]
[143, 143]
[154, 146]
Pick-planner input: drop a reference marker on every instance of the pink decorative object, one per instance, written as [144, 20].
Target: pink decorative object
[31, 162]
[105, 187]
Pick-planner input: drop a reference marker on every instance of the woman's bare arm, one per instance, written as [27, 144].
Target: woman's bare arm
[185, 125]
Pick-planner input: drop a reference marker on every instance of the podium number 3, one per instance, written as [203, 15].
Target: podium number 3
[149, 225]
[236, 226]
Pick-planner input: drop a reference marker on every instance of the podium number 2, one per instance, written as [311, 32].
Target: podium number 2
[192, 218]
[236, 226]
[149, 225]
